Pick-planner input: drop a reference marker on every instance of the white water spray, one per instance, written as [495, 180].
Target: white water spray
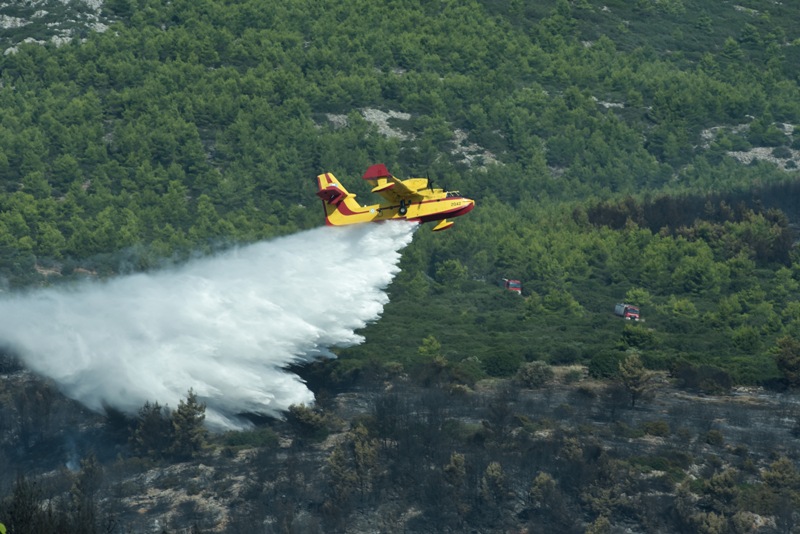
[225, 326]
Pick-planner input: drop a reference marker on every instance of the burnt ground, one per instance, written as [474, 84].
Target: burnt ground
[44, 437]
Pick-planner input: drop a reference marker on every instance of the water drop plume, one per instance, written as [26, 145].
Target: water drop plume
[226, 326]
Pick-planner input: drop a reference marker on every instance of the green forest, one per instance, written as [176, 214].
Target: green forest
[605, 167]
[643, 151]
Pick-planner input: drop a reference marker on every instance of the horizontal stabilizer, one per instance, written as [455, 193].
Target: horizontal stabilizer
[377, 171]
[332, 195]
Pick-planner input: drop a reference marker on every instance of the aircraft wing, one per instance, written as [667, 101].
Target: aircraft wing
[393, 189]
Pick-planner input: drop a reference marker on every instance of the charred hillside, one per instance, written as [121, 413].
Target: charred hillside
[570, 453]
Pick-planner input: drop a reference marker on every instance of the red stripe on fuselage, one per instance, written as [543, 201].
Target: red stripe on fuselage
[345, 210]
[456, 212]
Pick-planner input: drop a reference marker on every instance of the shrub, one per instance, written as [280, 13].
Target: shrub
[714, 437]
[468, 371]
[565, 355]
[258, 437]
[605, 364]
[534, 374]
[782, 152]
[621, 430]
[500, 363]
[739, 143]
[638, 336]
[308, 422]
[656, 428]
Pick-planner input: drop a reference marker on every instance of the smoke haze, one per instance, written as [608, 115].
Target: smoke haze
[226, 326]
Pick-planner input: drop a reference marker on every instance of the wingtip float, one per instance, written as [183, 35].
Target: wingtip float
[413, 199]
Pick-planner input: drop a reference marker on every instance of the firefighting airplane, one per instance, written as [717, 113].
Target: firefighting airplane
[413, 199]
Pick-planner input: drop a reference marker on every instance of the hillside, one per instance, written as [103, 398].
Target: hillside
[641, 151]
[568, 454]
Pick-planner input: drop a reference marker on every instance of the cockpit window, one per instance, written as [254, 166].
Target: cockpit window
[451, 194]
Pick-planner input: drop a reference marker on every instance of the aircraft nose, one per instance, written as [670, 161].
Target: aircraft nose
[468, 207]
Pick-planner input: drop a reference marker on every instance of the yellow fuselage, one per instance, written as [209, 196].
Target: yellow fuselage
[341, 207]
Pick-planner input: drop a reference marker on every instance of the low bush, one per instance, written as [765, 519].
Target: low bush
[534, 374]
